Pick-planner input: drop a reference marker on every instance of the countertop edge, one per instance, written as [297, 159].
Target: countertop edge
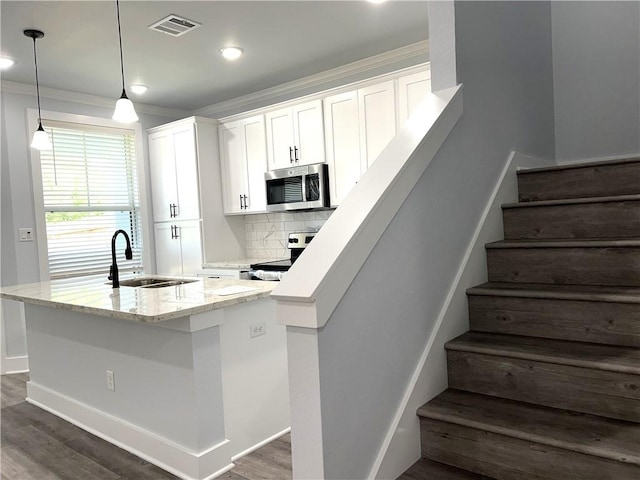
[139, 317]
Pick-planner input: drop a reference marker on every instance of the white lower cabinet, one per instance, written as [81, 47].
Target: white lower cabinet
[243, 152]
[221, 273]
[178, 248]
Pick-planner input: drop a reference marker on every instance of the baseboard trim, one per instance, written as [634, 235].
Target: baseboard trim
[493, 204]
[260, 444]
[159, 451]
[15, 365]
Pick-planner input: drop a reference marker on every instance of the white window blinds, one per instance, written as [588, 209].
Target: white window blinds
[90, 190]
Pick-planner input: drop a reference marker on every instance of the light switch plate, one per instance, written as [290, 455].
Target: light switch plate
[26, 234]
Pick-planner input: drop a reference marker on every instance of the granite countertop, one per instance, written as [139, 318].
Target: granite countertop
[240, 264]
[147, 305]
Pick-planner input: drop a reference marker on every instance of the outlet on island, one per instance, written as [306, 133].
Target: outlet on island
[256, 329]
[111, 384]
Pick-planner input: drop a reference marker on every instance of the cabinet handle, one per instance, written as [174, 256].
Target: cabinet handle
[173, 210]
[241, 205]
[290, 155]
[176, 227]
[172, 233]
[245, 202]
[296, 154]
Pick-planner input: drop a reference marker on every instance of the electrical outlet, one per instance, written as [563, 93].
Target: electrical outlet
[26, 234]
[111, 383]
[257, 329]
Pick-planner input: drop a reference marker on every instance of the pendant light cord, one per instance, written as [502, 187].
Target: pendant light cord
[35, 58]
[120, 38]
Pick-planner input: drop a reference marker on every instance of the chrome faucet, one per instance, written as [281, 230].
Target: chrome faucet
[113, 272]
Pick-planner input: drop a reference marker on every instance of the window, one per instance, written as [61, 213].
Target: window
[89, 190]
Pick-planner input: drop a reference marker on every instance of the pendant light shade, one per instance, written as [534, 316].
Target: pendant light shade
[124, 112]
[40, 138]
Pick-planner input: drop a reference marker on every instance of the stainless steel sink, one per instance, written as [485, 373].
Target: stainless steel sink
[148, 282]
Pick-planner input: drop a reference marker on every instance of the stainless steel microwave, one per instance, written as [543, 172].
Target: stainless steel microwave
[298, 188]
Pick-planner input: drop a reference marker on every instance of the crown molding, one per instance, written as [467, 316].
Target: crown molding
[83, 98]
[414, 51]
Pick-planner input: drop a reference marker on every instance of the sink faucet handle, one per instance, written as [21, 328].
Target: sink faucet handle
[110, 277]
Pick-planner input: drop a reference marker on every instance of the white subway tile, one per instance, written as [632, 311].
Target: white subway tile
[294, 226]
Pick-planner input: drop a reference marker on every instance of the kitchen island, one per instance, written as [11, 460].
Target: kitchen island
[188, 377]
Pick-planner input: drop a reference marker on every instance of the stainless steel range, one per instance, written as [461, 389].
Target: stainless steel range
[274, 270]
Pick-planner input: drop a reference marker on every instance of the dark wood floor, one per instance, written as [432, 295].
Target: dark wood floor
[37, 445]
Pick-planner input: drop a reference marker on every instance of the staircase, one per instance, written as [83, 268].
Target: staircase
[546, 385]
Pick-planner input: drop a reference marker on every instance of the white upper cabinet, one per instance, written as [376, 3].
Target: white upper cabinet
[308, 133]
[295, 135]
[347, 127]
[174, 174]
[411, 91]
[377, 111]
[244, 162]
[342, 131]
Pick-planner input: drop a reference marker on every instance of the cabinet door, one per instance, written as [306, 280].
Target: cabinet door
[280, 138]
[186, 167]
[308, 133]
[234, 175]
[163, 175]
[168, 261]
[255, 149]
[377, 120]
[343, 144]
[190, 241]
[411, 90]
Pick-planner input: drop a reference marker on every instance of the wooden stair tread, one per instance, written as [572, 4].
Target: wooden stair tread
[571, 201]
[425, 469]
[589, 434]
[586, 355]
[560, 292]
[564, 243]
[557, 168]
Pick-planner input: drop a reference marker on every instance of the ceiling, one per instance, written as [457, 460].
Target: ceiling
[283, 41]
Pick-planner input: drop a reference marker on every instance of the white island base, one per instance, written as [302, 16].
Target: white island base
[190, 394]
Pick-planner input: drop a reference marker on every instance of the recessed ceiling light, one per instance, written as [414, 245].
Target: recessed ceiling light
[6, 62]
[376, 1]
[231, 53]
[138, 89]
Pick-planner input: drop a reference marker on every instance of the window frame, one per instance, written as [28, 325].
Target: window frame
[36, 176]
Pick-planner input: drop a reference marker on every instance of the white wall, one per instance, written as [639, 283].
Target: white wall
[19, 260]
[596, 62]
[373, 341]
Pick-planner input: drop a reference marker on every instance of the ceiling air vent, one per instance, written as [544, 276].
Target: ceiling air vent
[174, 25]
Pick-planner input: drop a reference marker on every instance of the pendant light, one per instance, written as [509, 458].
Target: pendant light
[40, 138]
[124, 112]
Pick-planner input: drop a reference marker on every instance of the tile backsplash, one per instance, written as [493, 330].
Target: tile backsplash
[266, 234]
